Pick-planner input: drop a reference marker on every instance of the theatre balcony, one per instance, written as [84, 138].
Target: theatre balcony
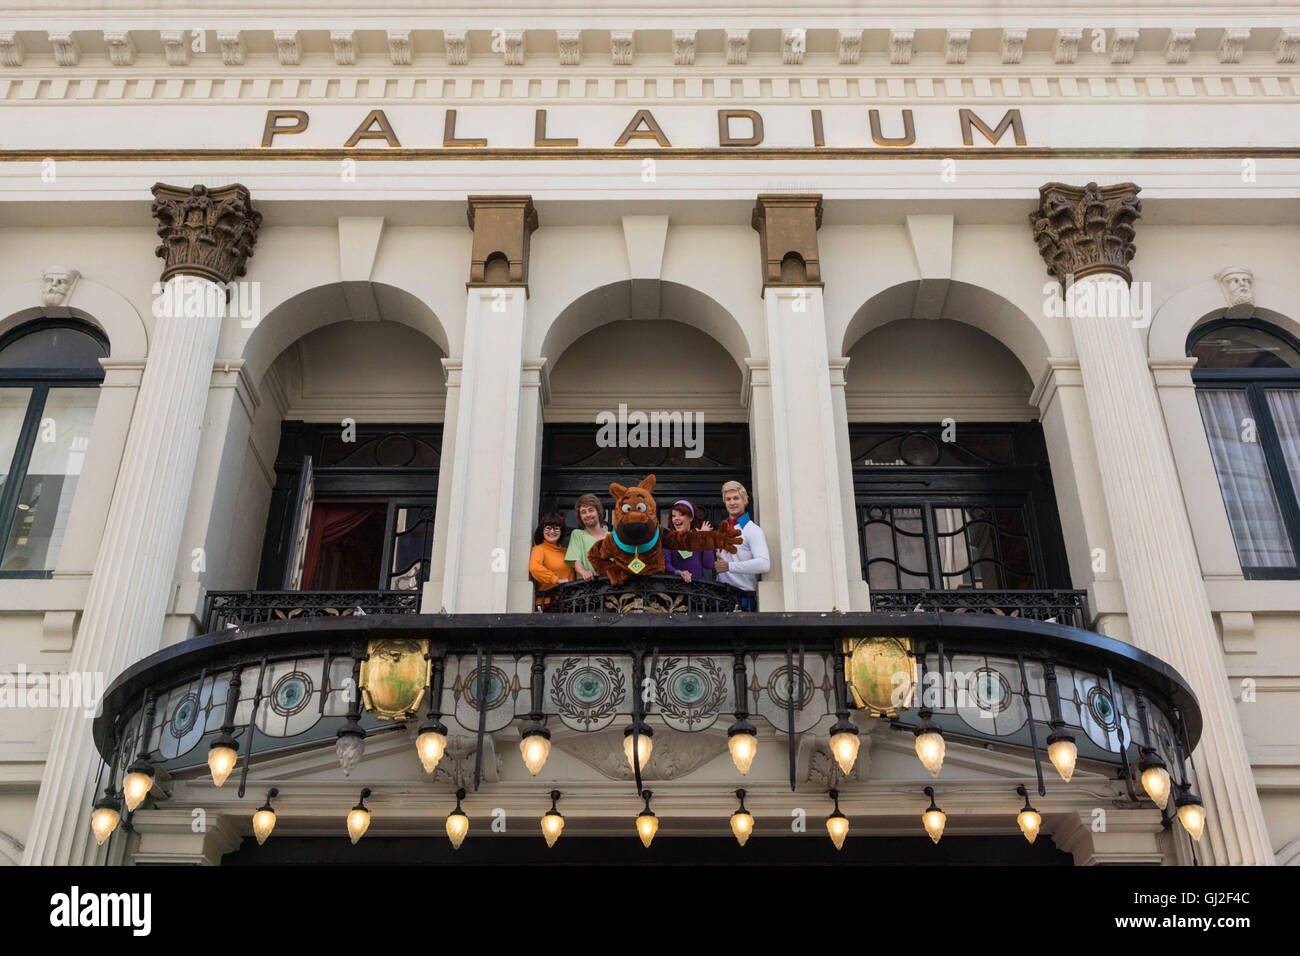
[244, 694]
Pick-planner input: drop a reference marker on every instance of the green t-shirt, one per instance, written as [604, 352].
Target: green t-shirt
[580, 543]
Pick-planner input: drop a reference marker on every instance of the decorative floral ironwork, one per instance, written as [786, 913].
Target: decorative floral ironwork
[585, 695]
[690, 691]
[1063, 607]
[238, 608]
[659, 594]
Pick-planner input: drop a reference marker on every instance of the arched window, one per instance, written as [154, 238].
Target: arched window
[1248, 386]
[49, 378]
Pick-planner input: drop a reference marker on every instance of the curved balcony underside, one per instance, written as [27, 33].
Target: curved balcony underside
[691, 655]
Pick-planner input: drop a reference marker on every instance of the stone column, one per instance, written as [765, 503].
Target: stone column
[1085, 235]
[207, 237]
[496, 441]
[810, 537]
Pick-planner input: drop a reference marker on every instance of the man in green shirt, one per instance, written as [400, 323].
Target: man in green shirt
[589, 531]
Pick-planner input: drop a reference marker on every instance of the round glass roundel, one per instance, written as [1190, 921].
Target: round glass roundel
[291, 693]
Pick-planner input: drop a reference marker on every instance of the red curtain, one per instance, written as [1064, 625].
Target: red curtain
[329, 522]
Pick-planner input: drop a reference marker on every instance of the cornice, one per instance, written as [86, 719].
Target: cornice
[405, 38]
[540, 88]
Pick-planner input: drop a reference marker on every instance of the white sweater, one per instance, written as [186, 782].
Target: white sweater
[750, 560]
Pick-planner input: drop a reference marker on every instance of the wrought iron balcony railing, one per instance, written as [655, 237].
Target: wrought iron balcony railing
[660, 594]
[239, 608]
[1063, 607]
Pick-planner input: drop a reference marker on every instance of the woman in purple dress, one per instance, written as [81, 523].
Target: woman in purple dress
[689, 565]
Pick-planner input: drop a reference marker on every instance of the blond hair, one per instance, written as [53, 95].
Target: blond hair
[736, 486]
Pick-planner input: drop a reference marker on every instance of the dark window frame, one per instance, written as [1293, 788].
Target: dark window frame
[1027, 484]
[40, 381]
[1254, 382]
[408, 485]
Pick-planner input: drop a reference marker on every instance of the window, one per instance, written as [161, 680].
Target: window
[49, 378]
[1248, 387]
[352, 511]
[974, 512]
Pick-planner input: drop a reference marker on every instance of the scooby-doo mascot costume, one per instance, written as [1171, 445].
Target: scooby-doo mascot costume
[636, 545]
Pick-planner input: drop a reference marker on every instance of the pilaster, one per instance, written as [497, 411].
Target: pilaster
[810, 539]
[496, 441]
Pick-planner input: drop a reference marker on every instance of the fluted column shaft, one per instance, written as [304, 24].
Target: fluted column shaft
[1169, 612]
[129, 588]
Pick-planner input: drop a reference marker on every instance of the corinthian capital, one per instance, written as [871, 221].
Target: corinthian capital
[1082, 230]
[205, 232]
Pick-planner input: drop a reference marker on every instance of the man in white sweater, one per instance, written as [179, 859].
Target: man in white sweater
[741, 570]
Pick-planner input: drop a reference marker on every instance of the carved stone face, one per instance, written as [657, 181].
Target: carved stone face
[56, 284]
[1238, 286]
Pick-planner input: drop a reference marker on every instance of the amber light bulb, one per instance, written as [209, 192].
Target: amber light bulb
[933, 819]
[264, 818]
[535, 747]
[553, 821]
[1029, 819]
[837, 824]
[742, 821]
[457, 822]
[647, 824]
[359, 818]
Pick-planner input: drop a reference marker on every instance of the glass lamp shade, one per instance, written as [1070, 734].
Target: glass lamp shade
[1156, 782]
[647, 825]
[358, 823]
[742, 825]
[743, 748]
[430, 745]
[349, 749]
[264, 823]
[535, 748]
[934, 821]
[136, 785]
[221, 760]
[1063, 754]
[837, 825]
[930, 748]
[845, 748]
[1030, 821]
[1192, 817]
[552, 827]
[457, 828]
[103, 822]
[645, 747]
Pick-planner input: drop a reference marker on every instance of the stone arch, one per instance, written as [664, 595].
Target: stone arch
[103, 307]
[1203, 302]
[967, 303]
[625, 301]
[327, 304]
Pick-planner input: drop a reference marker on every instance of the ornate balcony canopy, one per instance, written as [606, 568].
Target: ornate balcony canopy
[998, 679]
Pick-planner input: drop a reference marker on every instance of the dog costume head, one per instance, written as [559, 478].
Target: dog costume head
[636, 518]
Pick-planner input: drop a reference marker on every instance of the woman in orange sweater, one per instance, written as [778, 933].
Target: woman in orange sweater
[546, 564]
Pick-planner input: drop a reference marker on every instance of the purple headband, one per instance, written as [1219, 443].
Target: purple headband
[687, 504]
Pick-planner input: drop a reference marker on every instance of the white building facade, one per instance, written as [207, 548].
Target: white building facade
[970, 300]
